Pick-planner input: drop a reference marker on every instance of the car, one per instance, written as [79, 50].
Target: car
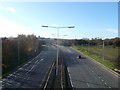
[79, 56]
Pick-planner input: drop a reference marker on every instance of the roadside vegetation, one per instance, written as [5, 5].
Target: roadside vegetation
[105, 51]
[16, 51]
[107, 57]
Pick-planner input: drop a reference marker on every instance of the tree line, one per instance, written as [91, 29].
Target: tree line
[115, 42]
[16, 51]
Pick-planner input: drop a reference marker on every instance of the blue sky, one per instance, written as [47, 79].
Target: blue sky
[91, 19]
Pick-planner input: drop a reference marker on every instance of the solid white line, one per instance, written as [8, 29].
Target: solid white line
[61, 78]
[48, 77]
[70, 77]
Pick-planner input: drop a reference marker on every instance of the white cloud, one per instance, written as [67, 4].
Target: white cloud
[11, 9]
[9, 28]
[112, 30]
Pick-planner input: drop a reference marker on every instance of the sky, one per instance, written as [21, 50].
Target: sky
[91, 19]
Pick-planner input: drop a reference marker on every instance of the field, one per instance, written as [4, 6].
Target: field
[108, 55]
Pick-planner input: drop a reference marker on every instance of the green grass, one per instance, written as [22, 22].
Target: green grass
[97, 52]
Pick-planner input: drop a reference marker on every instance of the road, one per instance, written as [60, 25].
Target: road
[86, 73]
[32, 73]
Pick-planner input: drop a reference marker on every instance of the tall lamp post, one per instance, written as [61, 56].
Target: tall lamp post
[18, 51]
[103, 48]
[57, 41]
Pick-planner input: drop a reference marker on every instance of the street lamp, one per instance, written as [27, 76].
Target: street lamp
[18, 51]
[103, 48]
[57, 41]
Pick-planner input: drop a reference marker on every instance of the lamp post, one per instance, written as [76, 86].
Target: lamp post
[18, 51]
[57, 41]
[103, 48]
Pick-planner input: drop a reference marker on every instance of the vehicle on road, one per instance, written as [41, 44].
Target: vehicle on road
[79, 56]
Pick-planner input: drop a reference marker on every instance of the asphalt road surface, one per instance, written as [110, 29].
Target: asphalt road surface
[86, 73]
[32, 73]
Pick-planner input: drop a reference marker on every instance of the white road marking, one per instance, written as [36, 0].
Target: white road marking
[41, 59]
[105, 83]
[48, 76]
[70, 77]
[102, 80]
[109, 87]
[31, 69]
[36, 61]
[88, 85]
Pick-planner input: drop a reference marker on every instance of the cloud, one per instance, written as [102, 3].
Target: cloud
[11, 9]
[9, 28]
[112, 30]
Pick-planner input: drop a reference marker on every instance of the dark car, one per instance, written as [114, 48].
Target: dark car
[79, 56]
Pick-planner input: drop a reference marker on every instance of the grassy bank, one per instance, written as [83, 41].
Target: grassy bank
[107, 56]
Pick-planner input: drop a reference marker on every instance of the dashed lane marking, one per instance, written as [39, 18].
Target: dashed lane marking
[105, 83]
[41, 59]
[102, 80]
[88, 85]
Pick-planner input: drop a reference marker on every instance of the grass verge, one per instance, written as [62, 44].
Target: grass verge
[105, 62]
